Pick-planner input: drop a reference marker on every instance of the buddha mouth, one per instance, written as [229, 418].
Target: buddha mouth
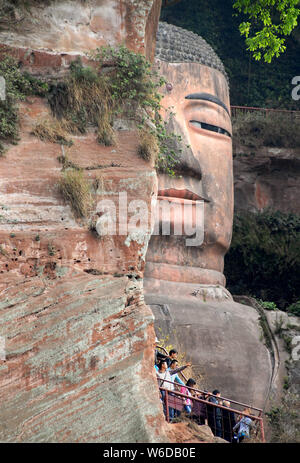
[180, 196]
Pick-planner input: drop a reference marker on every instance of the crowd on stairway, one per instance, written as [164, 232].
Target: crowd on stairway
[224, 423]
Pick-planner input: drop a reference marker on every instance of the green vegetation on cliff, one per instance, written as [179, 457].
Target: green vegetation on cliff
[264, 257]
[17, 86]
[265, 24]
[294, 309]
[274, 129]
[285, 421]
[121, 84]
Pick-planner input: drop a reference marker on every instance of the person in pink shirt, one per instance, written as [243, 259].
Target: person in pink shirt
[184, 390]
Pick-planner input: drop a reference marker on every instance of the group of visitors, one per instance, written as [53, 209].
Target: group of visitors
[167, 370]
[222, 422]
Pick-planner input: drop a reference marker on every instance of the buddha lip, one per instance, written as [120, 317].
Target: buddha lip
[181, 194]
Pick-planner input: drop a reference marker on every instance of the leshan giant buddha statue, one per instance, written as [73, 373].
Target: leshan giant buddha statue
[185, 285]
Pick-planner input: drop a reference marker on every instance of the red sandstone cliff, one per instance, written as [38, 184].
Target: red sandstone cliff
[78, 336]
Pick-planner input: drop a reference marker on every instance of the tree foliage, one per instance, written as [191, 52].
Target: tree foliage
[266, 24]
[252, 82]
[270, 21]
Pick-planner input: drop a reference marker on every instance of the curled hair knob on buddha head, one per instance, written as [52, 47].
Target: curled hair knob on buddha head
[177, 45]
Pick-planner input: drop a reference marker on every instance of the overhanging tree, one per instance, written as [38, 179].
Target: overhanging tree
[266, 26]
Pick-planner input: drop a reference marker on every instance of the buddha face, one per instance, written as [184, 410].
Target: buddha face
[198, 98]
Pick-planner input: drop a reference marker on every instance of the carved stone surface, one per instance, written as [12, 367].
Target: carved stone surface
[177, 45]
[205, 168]
[78, 336]
[185, 285]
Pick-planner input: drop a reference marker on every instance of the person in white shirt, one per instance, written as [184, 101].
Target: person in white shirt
[164, 376]
[168, 374]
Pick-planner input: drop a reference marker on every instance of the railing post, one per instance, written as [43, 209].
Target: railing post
[167, 405]
[222, 424]
[262, 430]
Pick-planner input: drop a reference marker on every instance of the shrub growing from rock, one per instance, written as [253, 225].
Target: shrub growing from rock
[148, 148]
[17, 86]
[75, 190]
[294, 309]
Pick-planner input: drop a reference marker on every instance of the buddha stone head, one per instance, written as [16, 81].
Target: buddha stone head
[196, 107]
[184, 285]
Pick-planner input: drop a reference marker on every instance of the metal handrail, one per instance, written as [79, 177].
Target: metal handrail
[197, 399]
[241, 404]
[222, 398]
[264, 110]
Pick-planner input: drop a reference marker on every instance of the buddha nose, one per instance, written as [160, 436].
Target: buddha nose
[187, 163]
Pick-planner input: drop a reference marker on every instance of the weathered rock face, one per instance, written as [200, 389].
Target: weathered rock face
[72, 26]
[221, 338]
[267, 178]
[77, 358]
[35, 213]
[281, 334]
[192, 433]
[78, 337]
[72, 335]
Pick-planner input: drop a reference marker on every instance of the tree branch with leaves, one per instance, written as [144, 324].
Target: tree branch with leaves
[266, 26]
[270, 21]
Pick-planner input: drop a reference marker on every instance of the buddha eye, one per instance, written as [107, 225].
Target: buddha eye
[212, 128]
